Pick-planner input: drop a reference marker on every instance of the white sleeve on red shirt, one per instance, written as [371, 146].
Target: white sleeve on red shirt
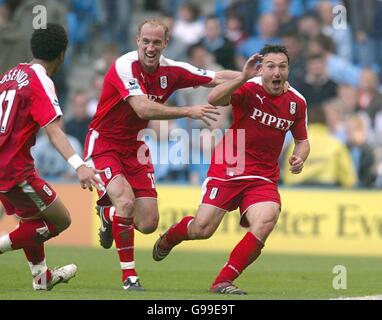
[124, 80]
[44, 105]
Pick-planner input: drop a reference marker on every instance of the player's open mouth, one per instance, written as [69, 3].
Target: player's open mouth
[276, 82]
[150, 56]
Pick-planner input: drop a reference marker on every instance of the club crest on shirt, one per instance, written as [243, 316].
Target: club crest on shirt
[213, 193]
[163, 82]
[293, 106]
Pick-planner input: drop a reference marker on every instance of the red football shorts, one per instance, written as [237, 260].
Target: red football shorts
[117, 160]
[29, 198]
[232, 194]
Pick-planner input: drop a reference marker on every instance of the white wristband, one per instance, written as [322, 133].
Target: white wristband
[76, 161]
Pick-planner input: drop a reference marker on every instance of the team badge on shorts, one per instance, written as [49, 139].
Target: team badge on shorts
[163, 82]
[108, 173]
[213, 193]
[293, 106]
[47, 190]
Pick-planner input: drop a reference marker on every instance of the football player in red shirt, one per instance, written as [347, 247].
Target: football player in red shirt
[28, 102]
[266, 112]
[134, 90]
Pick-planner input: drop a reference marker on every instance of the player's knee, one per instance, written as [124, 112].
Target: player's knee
[64, 223]
[128, 205]
[201, 231]
[67, 222]
[269, 226]
[206, 233]
[264, 229]
[148, 227]
[125, 206]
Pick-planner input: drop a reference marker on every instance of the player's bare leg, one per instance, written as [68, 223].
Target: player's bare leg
[2, 211]
[262, 218]
[122, 196]
[58, 215]
[202, 226]
[146, 218]
[146, 215]
[31, 235]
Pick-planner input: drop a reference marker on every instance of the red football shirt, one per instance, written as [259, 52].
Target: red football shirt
[115, 119]
[27, 102]
[252, 146]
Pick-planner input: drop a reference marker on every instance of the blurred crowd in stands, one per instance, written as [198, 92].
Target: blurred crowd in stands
[336, 63]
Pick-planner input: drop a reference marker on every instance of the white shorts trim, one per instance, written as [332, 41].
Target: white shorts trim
[104, 190]
[240, 178]
[242, 215]
[204, 189]
[36, 216]
[254, 204]
[208, 179]
[207, 204]
[94, 135]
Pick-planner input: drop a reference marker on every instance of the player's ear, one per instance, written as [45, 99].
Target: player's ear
[166, 41]
[62, 55]
[259, 67]
[137, 39]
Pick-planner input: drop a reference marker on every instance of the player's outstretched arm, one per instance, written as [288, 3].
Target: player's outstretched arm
[221, 94]
[87, 176]
[222, 76]
[150, 110]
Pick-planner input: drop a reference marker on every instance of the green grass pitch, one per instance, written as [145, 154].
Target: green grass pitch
[187, 276]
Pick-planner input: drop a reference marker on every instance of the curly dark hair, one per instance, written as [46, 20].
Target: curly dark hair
[47, 44]
[274, 49]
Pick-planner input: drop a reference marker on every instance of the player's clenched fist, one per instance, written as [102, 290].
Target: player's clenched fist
[296, 164]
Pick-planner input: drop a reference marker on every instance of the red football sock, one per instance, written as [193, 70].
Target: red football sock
[32, 232]
[35, 254]
[178, 232]
[123, 234]
[245, 252]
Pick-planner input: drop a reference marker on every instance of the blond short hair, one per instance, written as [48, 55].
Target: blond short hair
[157, 23]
